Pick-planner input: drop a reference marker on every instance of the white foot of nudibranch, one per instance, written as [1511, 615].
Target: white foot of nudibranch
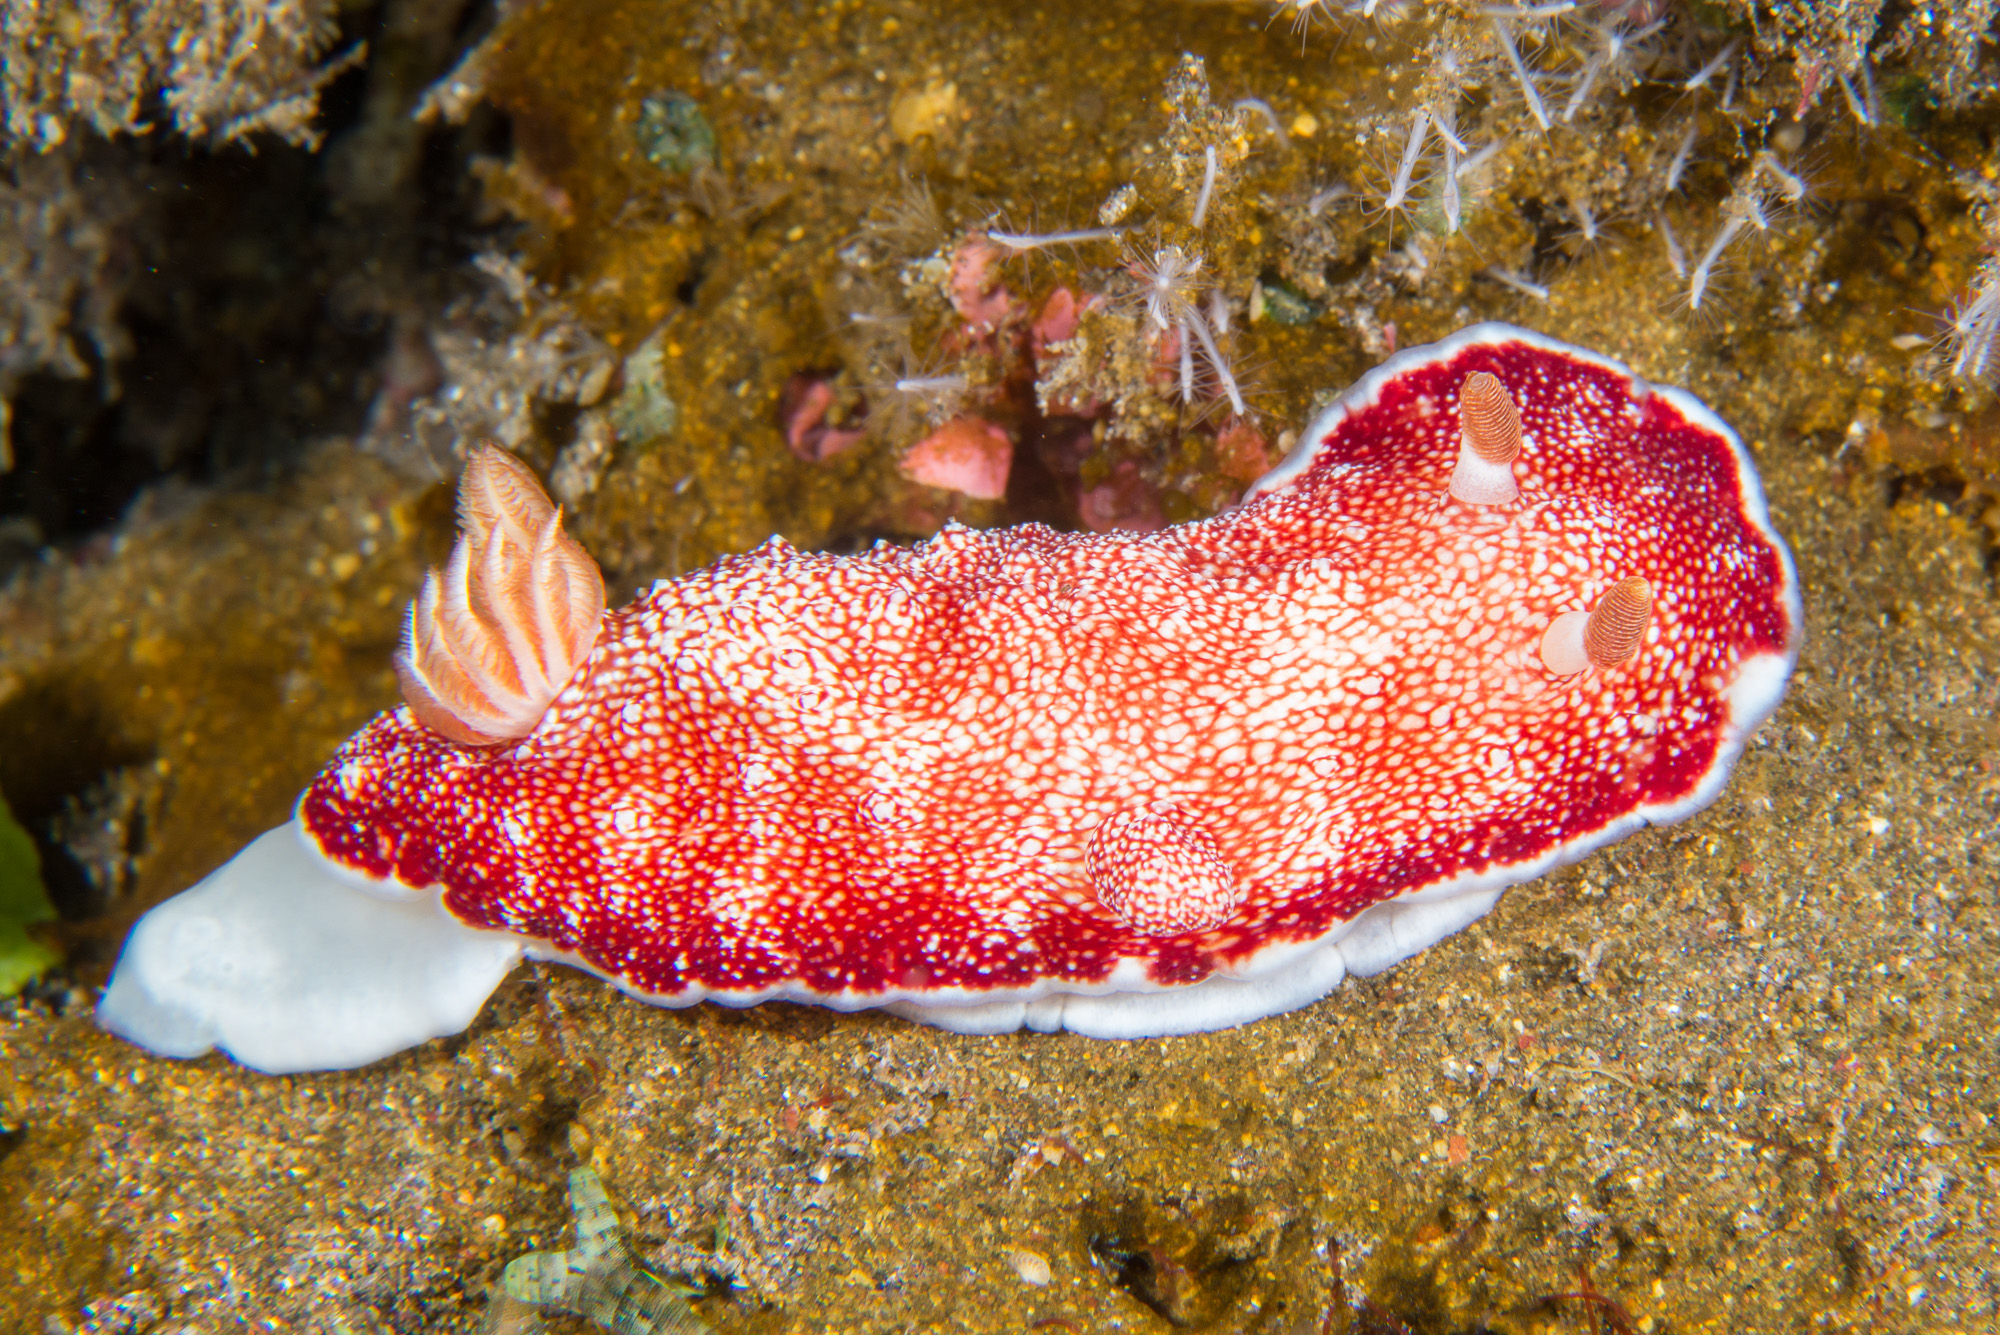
[1128, 1007]
[289, 965]
[1283, 979]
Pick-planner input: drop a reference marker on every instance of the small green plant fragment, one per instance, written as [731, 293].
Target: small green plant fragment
[642, 411]
[600, 1279]
[1911, 103]
[22, 901]
[1277, 300]
[673, 134]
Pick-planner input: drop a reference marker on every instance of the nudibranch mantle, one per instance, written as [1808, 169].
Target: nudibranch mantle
[1120, 784]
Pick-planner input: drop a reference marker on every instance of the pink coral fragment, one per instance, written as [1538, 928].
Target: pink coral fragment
[1123, 501]
[977, 293]
[1057, 320]
[968, 455]
[1242, 452]
[803, 410]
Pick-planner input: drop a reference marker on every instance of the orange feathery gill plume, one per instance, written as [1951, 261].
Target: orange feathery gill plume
[496, 634]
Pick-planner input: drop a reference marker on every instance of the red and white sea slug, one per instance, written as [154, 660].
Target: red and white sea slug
[1504, 604]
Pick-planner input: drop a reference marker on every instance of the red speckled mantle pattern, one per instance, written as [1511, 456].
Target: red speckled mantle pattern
[876, 776]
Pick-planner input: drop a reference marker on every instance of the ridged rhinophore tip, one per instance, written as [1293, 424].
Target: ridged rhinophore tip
[1607, 636]
[1618, 623]
[1489, 440]
[498, 632]
[1488, 418]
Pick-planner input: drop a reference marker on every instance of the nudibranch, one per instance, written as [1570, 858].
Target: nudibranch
[1504, 604]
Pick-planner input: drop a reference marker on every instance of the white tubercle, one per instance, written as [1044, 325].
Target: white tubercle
[1562, 644]
[288, 963]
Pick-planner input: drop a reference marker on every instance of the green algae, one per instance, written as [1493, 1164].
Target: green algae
[673, 135]
[23, 902]
[1278, 300]
[642, 411]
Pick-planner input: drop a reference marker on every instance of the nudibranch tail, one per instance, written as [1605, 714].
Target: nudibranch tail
[289, 963]
[1489, 442]
[497, 633]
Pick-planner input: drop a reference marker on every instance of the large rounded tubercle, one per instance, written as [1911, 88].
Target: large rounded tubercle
[289, 963]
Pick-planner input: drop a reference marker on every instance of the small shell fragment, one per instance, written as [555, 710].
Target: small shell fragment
[1032, 1267]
